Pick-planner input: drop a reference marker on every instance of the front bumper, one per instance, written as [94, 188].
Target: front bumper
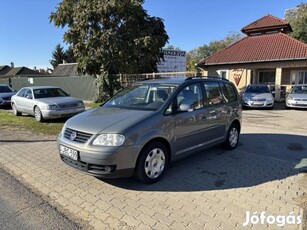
[5, 102]
[296, 104]
[93, 160]
[258, 104]
[52, 114]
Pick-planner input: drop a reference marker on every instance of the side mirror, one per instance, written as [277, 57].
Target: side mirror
[29, 96]
[184, 107]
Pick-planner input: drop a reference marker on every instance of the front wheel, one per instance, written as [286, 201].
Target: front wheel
[152, 163]
[38, 114]
[15, 111]
[232, 137]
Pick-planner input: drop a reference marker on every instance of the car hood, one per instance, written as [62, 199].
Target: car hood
[2, 95]
[299, 96]
[257, 95]
[99, 119]
[57, 100]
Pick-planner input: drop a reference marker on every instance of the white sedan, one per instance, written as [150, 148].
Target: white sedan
[45, 102]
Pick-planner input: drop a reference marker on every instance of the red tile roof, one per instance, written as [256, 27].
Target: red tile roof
[267, 22]
[267, 47]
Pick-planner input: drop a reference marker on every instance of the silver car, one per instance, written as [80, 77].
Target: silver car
[297, 98]
[258, 96]
[6, 93]
[45, 102]
[150, 124]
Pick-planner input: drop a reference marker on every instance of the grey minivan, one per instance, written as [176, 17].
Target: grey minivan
[145, 127]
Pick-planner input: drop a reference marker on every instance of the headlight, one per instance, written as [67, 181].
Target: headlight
[49, 107]
[246, 99]
[290, 98]
[109, 140]
[53, 107]
[80, 104]
[62, 131]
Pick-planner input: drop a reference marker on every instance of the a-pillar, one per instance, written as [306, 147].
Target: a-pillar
[278, 84]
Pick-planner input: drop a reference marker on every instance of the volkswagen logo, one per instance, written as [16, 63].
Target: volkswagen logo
[73, 136]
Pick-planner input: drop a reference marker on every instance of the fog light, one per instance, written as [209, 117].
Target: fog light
[107, 168]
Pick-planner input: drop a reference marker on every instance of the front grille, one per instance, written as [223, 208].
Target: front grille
[259, 99]
[81, 136]
[64, 106]
[300, 99]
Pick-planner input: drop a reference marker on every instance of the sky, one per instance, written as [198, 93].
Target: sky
[28, 38]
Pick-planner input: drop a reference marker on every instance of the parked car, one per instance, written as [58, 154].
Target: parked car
[297, 98]
[150, 124]
[6, 93]
[45, 102]
[257, 96]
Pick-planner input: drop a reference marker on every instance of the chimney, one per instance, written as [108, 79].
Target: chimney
[64, 61]
[12, 64]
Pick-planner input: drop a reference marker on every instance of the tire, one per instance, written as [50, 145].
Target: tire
[15, 111]
[233, 136]
[152, 163]
[38, 114]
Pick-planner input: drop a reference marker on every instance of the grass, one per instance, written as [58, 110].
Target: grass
[9, 121]
[92, 104]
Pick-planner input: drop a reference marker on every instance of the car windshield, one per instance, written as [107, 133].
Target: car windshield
[49, 92]
[147, 96]
[5, 89]
[300, 90]
[257, 89]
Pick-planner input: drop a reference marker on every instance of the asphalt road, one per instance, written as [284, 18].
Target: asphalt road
[22, 209]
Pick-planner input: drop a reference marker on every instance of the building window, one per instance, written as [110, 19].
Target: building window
[302, 77]
[223, 74]
[267, 77]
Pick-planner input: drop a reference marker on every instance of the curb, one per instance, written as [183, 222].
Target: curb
[303, 214]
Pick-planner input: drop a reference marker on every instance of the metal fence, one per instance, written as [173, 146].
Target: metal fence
[80, 87]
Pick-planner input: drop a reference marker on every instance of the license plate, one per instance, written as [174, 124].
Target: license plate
[73, 154]
[257, 103]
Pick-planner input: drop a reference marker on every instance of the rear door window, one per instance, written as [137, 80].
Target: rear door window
[213, 93]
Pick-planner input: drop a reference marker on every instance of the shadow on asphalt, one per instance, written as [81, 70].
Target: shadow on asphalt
[259, 158]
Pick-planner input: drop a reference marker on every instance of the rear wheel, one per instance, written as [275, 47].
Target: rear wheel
[232, 137]
[15, 111]
[152, 163]
[38, 114]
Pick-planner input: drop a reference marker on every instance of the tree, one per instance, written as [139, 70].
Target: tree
[70, 56]
[58, 55]
[297, 18]
[171, 47]
[110, 36]
[204, 51]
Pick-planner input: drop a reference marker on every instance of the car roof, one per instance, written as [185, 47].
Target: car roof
[180, 80]
[41, 87]
[4, 85]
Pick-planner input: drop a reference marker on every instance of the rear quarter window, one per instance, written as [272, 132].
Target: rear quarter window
[229, 92]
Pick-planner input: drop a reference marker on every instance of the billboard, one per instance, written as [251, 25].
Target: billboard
[174, 61]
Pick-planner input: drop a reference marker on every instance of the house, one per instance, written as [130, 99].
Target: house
[11, 71]
[21, 72]
[66, 70]
[266, 55]
[4, 70]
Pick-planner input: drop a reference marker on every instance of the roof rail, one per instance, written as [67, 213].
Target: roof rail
[208, 77]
